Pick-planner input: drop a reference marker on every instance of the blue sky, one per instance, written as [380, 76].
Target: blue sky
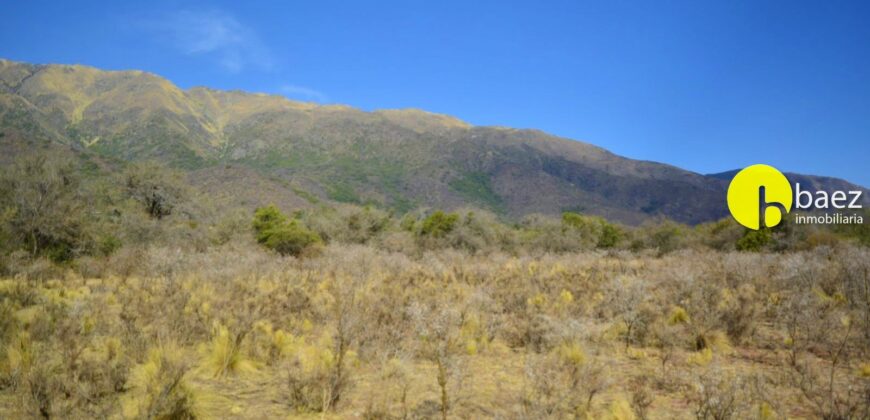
[707, 86]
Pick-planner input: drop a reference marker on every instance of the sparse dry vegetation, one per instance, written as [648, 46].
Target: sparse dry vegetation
[119, 312]
[237, 331]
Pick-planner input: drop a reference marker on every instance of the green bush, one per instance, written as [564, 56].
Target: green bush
[610, 236]
[290, 239]
[593, 230]
[287, 237]
[439, 224]
[665, 237]
[754, 240]
[265, 219]
[574, 220]
[108, 244]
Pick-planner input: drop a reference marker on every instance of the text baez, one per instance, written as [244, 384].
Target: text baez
[821, 200]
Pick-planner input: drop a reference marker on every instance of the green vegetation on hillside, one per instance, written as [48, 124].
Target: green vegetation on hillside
[399, 160]
[476, 187]
[44, 214]
[343, 194]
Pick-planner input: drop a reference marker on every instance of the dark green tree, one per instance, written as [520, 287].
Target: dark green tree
[275, 231]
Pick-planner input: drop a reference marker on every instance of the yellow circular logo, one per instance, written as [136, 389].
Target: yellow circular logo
[759, 196]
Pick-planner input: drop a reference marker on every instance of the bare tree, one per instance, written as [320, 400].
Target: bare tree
[44, 211]
[438, 327]
[159, 189]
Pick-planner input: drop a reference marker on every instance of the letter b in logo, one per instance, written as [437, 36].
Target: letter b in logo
[759, 196]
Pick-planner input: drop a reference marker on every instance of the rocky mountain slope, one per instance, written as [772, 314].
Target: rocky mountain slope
[269, 148]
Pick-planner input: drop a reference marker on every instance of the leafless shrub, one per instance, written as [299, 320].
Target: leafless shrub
[41, 388]
[641, 398]
[562, 383]
[829, 387]
[389, 393]
[718, 396]
[438, 328]
[626, 300]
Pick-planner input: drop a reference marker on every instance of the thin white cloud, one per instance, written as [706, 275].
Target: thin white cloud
[215, 34]
[303, 93]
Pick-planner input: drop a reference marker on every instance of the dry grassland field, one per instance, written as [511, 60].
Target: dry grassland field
[361, 332]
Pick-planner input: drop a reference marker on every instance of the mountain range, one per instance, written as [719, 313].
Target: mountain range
[251, 149]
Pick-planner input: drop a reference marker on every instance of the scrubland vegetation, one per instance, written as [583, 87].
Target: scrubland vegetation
[130, 295]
